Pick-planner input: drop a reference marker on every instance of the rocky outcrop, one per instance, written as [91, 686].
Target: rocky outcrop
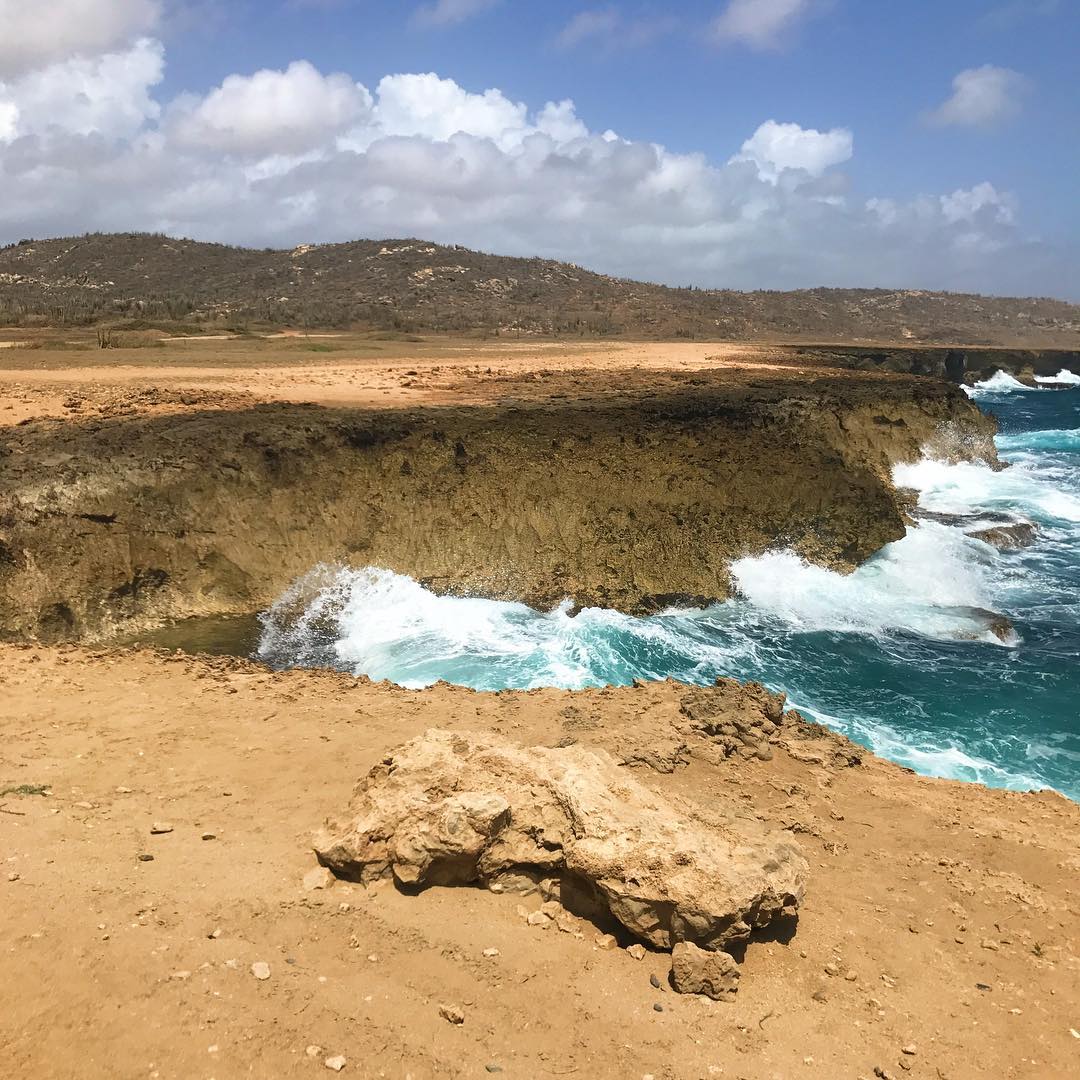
[630, 491]
[1020, 534]
[470, 809]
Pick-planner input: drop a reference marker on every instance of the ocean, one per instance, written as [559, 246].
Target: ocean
[903, 656]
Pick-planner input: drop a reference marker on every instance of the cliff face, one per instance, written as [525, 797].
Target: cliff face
[620, 499]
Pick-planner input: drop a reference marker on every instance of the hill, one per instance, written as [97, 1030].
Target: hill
[415, 285]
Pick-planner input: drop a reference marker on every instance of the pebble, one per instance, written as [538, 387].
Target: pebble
[215, 933]
[986, 943]
[636, 951]
[851, 976]
[607, 941]
[832, 968]
[13, 877]
[654, 981]
[452, 1014]
[493, 1068]
[180, 975]
[260, 969]
[657, 1007]
[820, 995]
[159, 828]
[85, 805]
[911, 1050]
[337, 1063]
[209, 836]
[537, 918]
[491, 952]
[123, 791]
[313, 1051]
[1074, 1033]
[146, 858]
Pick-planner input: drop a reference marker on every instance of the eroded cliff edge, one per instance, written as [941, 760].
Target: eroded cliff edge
[629, 494]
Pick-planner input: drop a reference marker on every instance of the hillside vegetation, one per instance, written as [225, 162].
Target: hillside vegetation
[131, 278]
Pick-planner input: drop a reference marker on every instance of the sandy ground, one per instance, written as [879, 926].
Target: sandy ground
[42, 382]
[939, 917]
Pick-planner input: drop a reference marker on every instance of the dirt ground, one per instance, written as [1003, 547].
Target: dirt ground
[939, 917]
[344, 371]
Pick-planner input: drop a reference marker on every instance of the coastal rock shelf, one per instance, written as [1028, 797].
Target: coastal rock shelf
[623, 491]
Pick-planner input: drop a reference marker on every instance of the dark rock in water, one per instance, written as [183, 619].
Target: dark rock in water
[1020, 534]
[999, 625]
[963, 519]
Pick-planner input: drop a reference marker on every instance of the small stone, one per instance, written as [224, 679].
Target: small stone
[489, 953]
[697, 971]
[160, 828]
[636, 951]
[260, 969]
[1074, 1033]
[911, 1049]
[820, 995]
[85, 805]
[215, 933]
[146, 858]
[832, 968]
[337, 1062]
[13, 877]
[313, 1051]
[123, 791]
[904, 1064]
[606, 941]
[882, 1074]
[493, 1068]
[851, 976]
[180, 975]
[551, 908]
[654, 981]
[318, 877]
[988, 943]
[452, 1014]
[982, 986]
[209, 836]
[538, 918]
[373, 958]
[657, 1007]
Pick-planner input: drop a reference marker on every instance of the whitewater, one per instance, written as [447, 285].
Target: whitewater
[905, 656]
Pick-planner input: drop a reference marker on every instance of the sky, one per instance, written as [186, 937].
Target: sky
[777, 144]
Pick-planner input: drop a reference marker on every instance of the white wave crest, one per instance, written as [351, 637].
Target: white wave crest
[936, 582]
[1001, 382]
[967, 487]
[1064, 377]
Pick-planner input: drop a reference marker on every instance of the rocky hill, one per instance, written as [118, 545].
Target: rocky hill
[415, 285]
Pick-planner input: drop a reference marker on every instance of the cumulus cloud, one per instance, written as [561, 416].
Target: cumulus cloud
[761, 24]
[449, 12]
[272, 112]
[586, 25]
[298, 155]
[34, 35]
[981, 97]
[607, 29]
[775, 147]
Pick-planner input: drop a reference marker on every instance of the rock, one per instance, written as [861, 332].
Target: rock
[538, 918]
[820, 996]
[452, 1014]
[489, 953]
[313, 1051]
[146, 858]
[606, 941]
[493, 1068]
[1008, 537]
[209, 836]
[637, 951]
[459, 808]
[337, 1062]
[13, 877]
[911, 1050]
[318, 878]
[159, 828]
[697, 971]
[654, 981]
[833, 968]
[84, 806]
[657, 1007]
[261, 970]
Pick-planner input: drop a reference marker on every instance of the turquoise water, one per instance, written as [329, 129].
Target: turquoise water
[900, 656]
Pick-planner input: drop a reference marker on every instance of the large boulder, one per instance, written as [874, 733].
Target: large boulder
[461, 808]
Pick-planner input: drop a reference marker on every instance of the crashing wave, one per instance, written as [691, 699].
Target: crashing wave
[1001, 382]
[1064, 377]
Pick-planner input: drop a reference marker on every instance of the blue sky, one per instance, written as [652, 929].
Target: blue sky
[923, 144]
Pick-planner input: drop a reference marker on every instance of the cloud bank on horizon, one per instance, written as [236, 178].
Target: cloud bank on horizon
[298, 154]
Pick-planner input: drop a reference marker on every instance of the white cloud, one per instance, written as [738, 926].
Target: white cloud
[982, 97]
[586, 25]
[108, 95]
[775, 147]
[272, 112]
[449, 12]
[34, 35]
[282, 157]
[761, 24]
